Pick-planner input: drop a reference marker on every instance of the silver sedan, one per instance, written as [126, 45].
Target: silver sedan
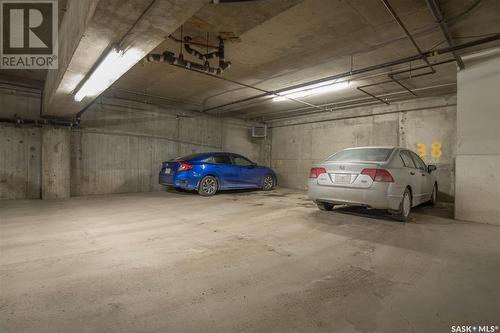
[391, 178]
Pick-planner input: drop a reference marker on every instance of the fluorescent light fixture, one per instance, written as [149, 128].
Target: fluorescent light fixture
[115, 64]
[313, 89]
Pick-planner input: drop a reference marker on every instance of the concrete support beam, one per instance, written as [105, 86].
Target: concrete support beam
[56, 163]
[90, 27]
[478, 134]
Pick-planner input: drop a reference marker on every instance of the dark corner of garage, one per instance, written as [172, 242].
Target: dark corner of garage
[250, 166]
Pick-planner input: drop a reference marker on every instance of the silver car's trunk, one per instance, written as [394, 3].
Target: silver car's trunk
[347, 174]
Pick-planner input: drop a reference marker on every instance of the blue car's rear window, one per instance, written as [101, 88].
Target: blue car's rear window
[191, 157]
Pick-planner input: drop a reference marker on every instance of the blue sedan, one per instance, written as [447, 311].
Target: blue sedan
[209, 172]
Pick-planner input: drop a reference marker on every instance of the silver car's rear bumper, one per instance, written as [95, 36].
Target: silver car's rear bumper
[379, 195]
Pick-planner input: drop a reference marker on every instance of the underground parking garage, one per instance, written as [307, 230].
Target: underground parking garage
[250, 166]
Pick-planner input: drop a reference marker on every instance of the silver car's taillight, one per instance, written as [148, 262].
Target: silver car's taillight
[378, 175]
[315, 172]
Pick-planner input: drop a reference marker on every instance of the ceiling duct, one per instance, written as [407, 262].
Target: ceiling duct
[223, 64]
[170, 58]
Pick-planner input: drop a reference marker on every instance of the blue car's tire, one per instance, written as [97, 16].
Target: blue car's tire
[208, 186]
[268, 183]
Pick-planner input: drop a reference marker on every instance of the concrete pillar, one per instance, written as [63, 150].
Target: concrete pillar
[477, 196]
[55, 163]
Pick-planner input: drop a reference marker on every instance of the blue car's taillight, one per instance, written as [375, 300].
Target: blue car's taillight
[183, 166]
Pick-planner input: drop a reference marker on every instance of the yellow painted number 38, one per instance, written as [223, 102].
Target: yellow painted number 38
[436, 149]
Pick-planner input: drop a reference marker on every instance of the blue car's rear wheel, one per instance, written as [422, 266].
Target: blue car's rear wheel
[268, 183]
[208, 186]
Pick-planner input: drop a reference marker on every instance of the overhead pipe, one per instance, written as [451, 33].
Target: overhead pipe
[436, 12]
[143, 94]
[170, 58]
[348, 104]
[384, 101]
[42, 121]
[453, 19]
[408, 34]
[436, 107]
[396, 62]
[337, 105]
[392, 79]
[20, 88]
[191, 42]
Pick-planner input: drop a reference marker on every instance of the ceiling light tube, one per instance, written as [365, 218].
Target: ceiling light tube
[313, 89]
[112, 67]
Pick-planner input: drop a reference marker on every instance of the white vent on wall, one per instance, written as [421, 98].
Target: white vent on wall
[259, 131]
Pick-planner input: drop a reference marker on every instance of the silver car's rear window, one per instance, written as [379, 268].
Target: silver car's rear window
[362, 154]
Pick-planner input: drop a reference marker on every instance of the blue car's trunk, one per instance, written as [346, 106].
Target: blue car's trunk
[167, 172]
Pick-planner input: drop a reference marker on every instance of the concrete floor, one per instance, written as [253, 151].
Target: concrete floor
[245, 261]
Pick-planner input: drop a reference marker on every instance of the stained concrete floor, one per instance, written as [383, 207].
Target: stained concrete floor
[240, 261]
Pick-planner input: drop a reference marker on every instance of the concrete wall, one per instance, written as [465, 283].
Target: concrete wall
[20, 146]
[118, 148]
[20, 160]
[424, 123]
[120, 145]
[478, 134]
[55, 162]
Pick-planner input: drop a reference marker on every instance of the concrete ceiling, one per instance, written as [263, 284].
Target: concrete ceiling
[281, 43]
[89, 28]
[274, 44]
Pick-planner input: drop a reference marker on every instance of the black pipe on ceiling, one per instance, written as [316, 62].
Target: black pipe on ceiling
[407, 32]
[170, 58]
[193, 43]
[436, 107]
[351, 103]
[438, 15]
[40, 122]
[396, 62]
[397, 80]
[395, 96]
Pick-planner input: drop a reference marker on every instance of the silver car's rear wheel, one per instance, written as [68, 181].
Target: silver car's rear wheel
[404, 207]
[324, 205]
[434, 195]
[208, 186]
